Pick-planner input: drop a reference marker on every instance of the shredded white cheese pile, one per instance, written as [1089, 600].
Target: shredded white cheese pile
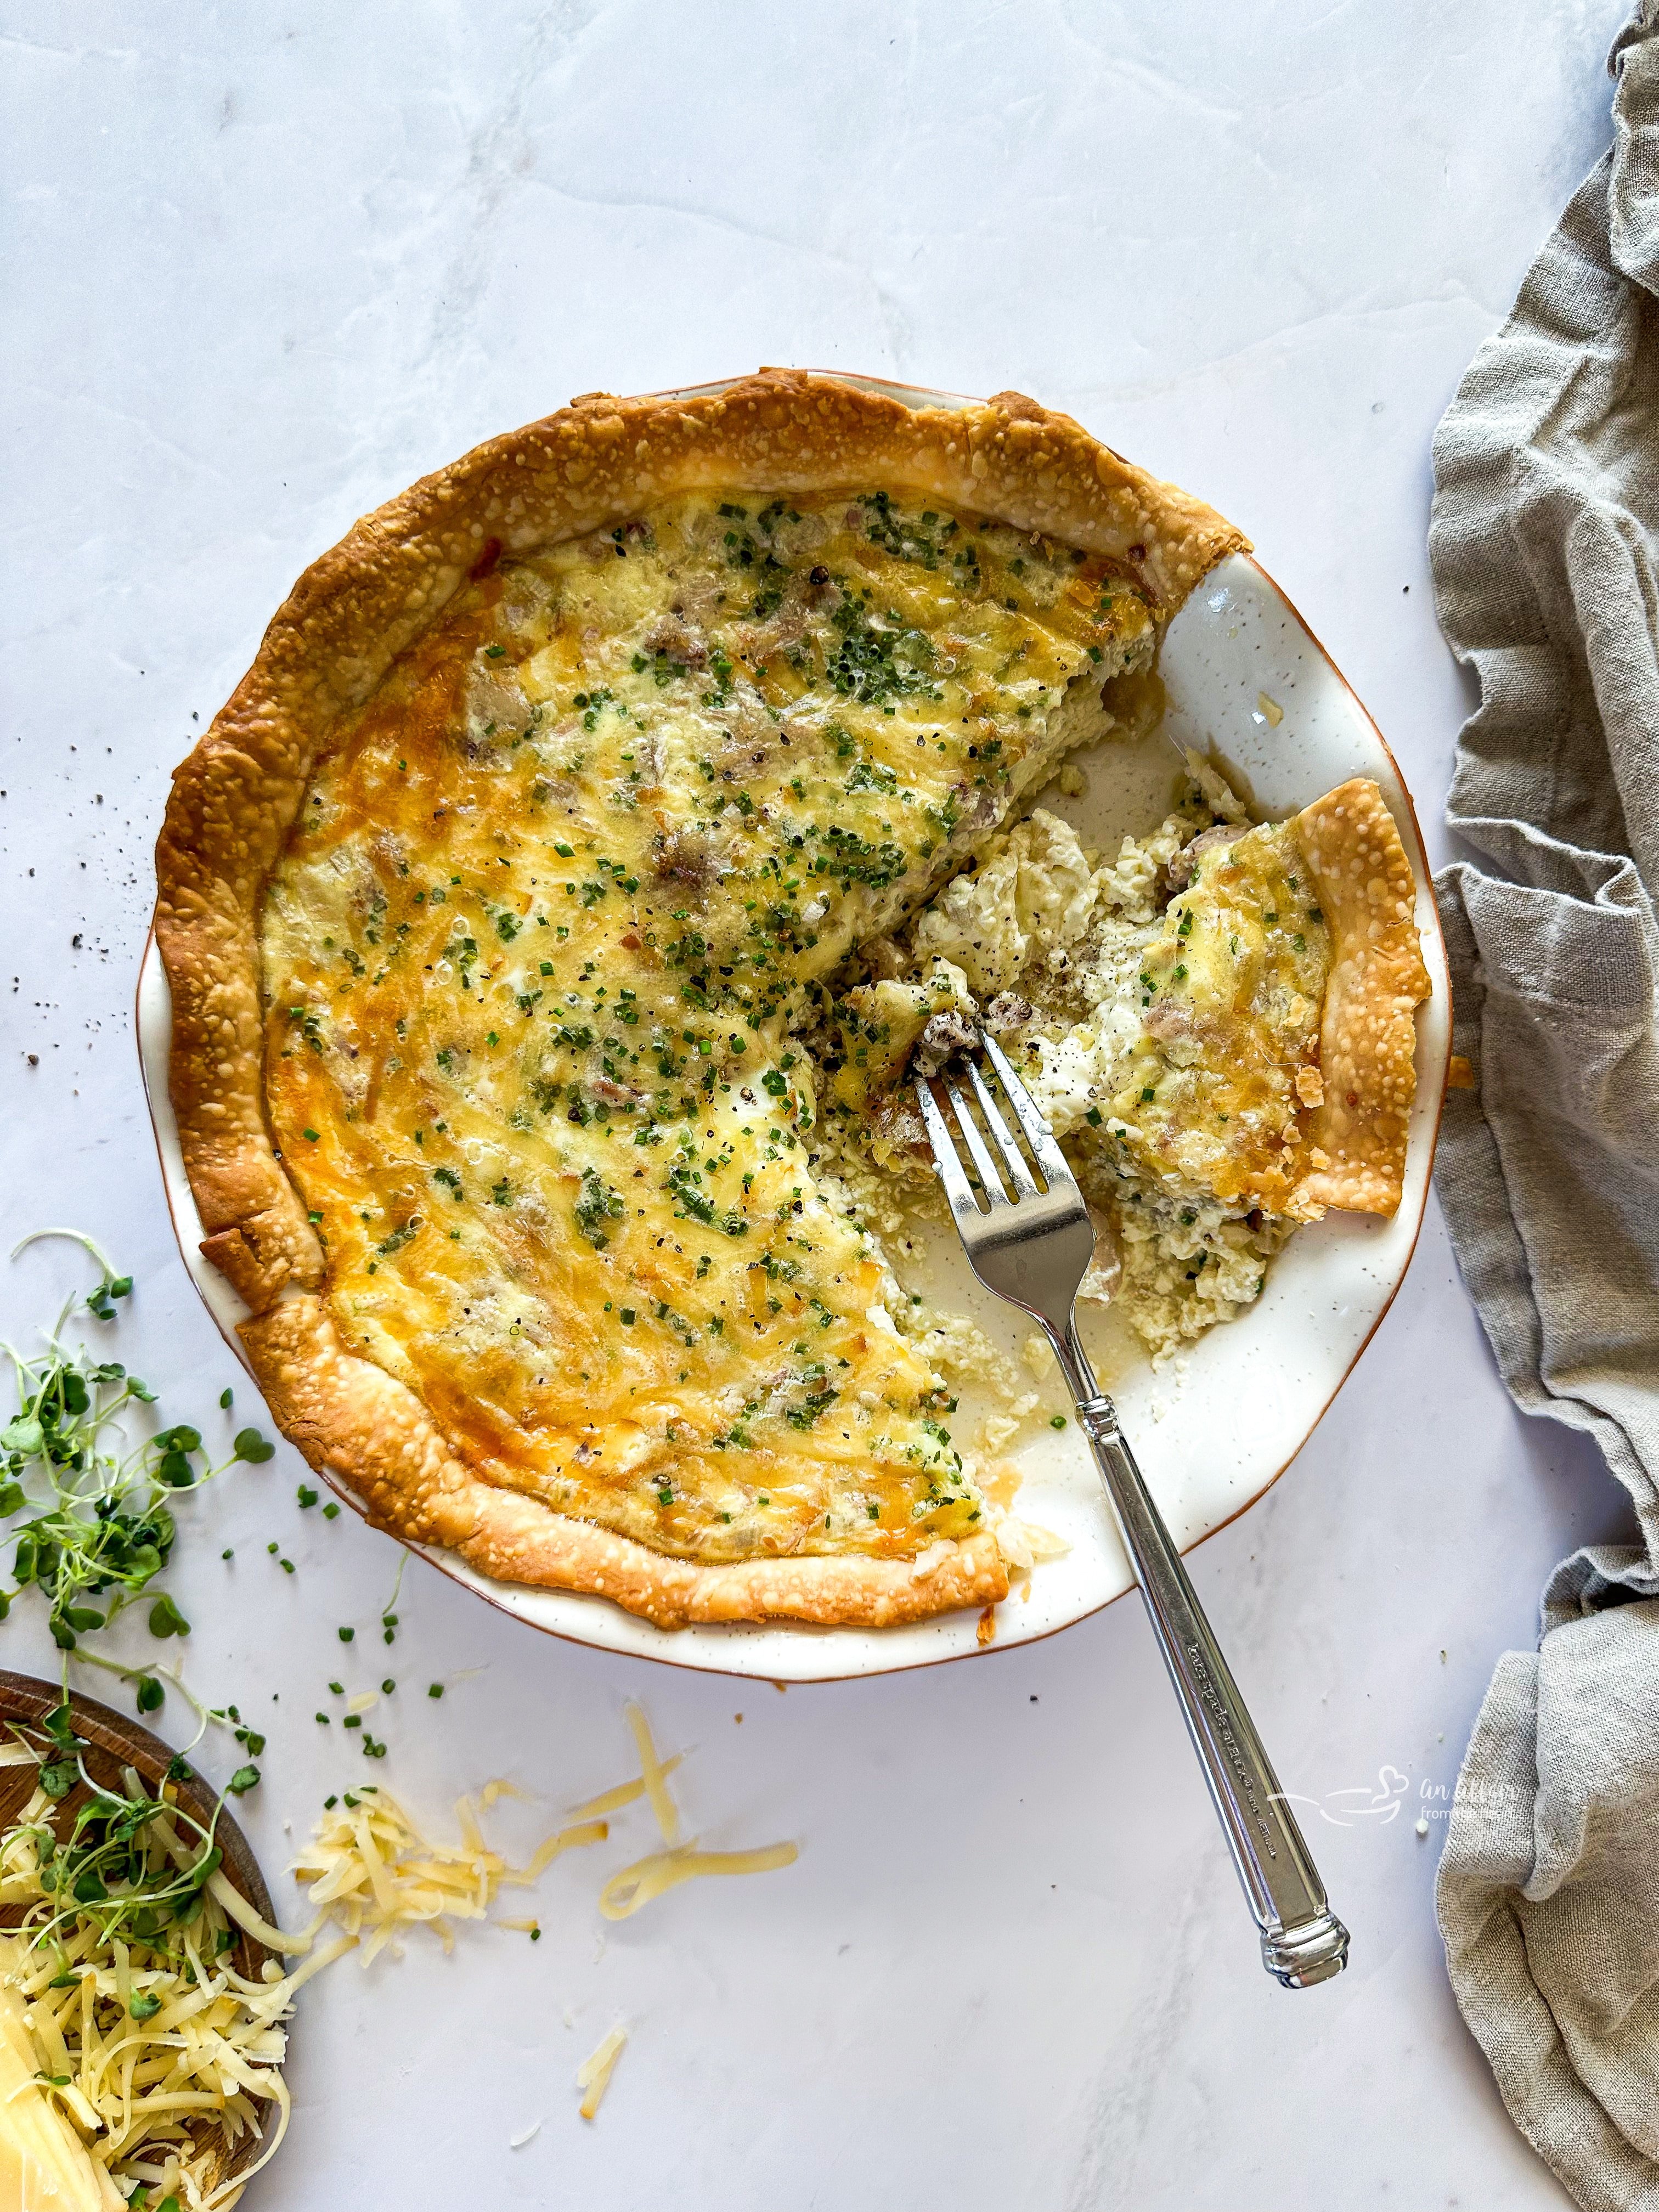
[112, 2056]
[134, 2046]
[373, 1872]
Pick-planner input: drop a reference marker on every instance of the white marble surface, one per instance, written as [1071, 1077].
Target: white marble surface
[266, 265]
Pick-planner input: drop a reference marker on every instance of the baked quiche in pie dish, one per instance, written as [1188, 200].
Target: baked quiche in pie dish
[609, 834]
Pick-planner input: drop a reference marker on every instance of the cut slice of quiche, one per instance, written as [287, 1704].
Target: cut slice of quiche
[498, 901]
[1219, 1023]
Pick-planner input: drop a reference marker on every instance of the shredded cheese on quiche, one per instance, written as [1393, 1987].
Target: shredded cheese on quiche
[538, 961]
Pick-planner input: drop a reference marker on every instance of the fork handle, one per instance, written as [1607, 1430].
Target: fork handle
[1302, 1941]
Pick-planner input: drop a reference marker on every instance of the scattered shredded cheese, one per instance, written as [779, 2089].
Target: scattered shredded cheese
[651, 1774]
[625, 1793]
[593, 2074]
[370, 1870]
[636, 1885]
[208, 2042]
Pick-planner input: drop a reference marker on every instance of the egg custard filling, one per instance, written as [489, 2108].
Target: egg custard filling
[608, 833]
[534, 960]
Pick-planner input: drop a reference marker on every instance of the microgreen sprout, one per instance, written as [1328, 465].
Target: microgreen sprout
[102, 1527]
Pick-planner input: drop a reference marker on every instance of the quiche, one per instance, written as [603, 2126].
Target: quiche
[554, 915]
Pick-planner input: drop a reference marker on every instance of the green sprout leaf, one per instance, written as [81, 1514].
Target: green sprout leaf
[166, 1620]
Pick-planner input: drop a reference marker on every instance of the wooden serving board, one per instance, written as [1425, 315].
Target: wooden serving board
[114, 1741]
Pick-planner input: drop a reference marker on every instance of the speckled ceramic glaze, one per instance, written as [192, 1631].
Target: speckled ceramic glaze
[1248, 683]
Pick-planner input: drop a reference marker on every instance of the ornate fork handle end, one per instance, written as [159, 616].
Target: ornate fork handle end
[1302, 1941]
[1298, 1957]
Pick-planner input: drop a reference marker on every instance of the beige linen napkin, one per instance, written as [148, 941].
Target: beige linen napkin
[1544, 545]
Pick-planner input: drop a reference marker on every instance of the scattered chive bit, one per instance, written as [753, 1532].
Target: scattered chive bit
[226, 1397]
[273, 1549]
[371, 1748]
[324, 1719]
[434, 1689]
[229, 1552]
[1058, 1421]
[310, 1135]
[329, 1803]
[353, 1720]
[331, 1510]
[346, 1635]
[338, 1688]
[287, 1566]
[387, 1687]
[307, 1495]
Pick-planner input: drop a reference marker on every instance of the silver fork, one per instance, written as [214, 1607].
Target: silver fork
[1029, 1237]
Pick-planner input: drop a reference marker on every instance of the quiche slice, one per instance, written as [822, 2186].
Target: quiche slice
[1219, 1023]
[498, 902]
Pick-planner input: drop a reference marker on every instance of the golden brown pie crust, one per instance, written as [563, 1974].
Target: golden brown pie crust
[236, 799]
[1368, 1035]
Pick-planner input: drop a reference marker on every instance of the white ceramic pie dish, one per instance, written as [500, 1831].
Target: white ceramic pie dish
[1210, 1439]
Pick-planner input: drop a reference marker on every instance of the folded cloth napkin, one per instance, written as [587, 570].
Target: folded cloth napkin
[1544, 545]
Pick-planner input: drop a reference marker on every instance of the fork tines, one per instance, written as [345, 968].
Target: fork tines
[1007, 1177]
